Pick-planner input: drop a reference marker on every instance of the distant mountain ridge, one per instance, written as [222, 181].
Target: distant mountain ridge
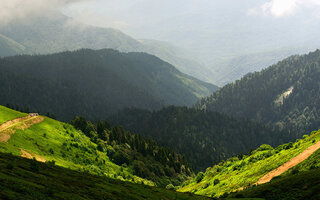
[95, 83]
[56, 32]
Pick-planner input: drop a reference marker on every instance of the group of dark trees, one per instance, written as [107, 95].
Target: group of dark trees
[255, 95]
[95, 83]
[205, 138]
[145, 156]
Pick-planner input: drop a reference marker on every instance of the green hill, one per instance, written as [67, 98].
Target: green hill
[100, 149]
[206, 138]
[285, 95]
[95, 83]
[7, 114]
[244, 171]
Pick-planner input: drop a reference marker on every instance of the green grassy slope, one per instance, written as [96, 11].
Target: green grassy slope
[7, 114]
[21, 178]
[244, 171]
[69, 148]
[97, 148]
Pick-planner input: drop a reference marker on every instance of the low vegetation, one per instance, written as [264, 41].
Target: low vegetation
[245, 170]
[7, 114]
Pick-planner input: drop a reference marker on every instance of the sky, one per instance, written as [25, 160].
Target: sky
[217, 32]
[123, 13]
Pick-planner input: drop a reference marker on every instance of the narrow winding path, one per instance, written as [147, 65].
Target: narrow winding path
[288, 165]
[8, 128]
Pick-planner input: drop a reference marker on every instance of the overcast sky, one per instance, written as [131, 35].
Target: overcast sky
[126, 14]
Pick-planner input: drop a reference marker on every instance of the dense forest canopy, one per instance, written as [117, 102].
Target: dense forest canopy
[285, 95]
[95, 83]
[205, 138]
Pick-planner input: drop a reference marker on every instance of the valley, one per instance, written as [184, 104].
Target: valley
[159, 100]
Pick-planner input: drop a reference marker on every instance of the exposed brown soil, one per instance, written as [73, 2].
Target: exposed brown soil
[31, 155]
[10, 123]
[9, 128]
[293, 162]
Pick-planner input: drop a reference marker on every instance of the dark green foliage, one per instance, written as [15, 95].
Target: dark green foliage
[60, 183]
[254, 96]
[205, 138]
[145, 156]
[216, 181]
[199, 177]
[34, 165]
[94, 83]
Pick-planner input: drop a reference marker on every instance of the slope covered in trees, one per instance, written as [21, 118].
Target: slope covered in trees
[54, 32]
[95, 83]
[285, 95]
[205, 138]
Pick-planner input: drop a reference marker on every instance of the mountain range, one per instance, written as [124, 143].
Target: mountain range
[95, 83]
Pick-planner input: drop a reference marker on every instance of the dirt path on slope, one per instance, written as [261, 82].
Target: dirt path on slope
[12, 122]
[28, 155]
[8, 128]
[293, 162]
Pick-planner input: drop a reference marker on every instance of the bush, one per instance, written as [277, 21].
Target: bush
[216, 181]
[199, 177]
[170, 187]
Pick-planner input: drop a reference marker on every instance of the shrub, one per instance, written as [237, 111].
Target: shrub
[199, 177]
[216, 181]
[170, 187]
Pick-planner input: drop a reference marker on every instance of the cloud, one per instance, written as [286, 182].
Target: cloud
[281, 8]
[20, 9]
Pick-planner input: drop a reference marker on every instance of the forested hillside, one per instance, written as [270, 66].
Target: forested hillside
[95, 83]
[205, 138]
[55, 32]
[285, 95]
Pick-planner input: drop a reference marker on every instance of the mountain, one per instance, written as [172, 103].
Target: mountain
[56, 32]
[9, 47]
[47, 181]
[284, 95]
[181, 58]
[221, 32]
[248, 175]
[95, 83]
[98, 149]
[205, 138]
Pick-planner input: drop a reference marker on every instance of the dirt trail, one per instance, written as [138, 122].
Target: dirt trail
[293, 162]
[8, 128]
[31, 155]
[10, 123]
